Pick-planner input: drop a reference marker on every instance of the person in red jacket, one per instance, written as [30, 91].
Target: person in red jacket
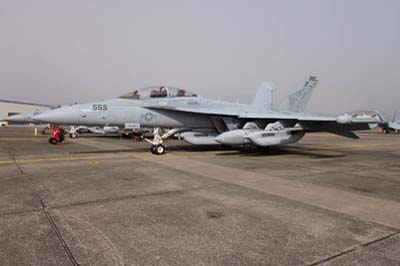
[58, 136]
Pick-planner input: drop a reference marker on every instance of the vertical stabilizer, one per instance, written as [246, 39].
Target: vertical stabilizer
[396, 117]
[263, 100]
[298, 101]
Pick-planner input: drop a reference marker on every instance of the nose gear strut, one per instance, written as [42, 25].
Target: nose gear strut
[157, 146]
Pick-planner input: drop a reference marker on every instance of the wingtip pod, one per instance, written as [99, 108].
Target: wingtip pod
[348, 119]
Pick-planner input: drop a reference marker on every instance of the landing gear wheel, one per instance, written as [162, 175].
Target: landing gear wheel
[153, 149]
[159, 149]
[73, 135]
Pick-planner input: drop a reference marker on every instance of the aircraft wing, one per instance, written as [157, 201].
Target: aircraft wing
[317, 123]
[244, 115]
[332, 126]
[309, 123]
[342, 125]
[285, 116]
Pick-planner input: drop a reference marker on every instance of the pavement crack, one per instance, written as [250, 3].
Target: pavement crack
[381, 239]
[161, 193]
[46, 212]
[353, 248]
[59, 235]
[20, 212]
[20, 170]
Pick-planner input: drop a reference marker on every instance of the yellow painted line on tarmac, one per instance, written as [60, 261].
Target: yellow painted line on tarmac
[78, 158]
[22, 139]
[60, 159]
[93, 163]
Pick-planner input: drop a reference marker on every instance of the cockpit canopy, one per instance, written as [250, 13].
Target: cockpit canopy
[158, 92]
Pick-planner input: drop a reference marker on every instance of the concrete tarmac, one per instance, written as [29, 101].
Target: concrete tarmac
[108, 201]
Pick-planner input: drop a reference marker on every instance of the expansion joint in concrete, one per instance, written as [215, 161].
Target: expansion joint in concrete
[127, 197]
[47, 213]
[352, 249]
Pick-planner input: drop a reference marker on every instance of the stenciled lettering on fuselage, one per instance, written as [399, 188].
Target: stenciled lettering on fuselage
[100, 107]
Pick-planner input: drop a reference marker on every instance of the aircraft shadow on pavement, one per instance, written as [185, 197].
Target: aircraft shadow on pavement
[252, 151]
[231, 151]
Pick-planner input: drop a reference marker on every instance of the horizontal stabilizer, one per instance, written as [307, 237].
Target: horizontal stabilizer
[347, 134]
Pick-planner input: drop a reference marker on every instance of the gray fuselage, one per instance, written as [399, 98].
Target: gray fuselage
[119, 112]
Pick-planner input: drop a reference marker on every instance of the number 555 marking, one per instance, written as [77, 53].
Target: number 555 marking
[100, 107]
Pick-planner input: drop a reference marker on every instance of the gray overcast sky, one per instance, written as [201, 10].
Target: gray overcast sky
[65, 51]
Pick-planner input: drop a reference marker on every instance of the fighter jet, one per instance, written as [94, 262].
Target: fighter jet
[390, 126]
[203, 121]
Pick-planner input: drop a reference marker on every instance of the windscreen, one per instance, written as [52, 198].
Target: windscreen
[158, 92]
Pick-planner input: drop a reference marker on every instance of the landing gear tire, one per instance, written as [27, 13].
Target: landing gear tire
[158, 149]
[73, 135]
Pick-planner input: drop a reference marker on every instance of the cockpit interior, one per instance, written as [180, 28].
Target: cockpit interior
[158, 92]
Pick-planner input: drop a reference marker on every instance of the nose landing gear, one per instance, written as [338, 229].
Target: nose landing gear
[157, 146]
[158, 149]
[73, 132]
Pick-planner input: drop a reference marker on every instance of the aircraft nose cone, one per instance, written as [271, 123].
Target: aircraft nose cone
[16, 118]
[49, 117]
[42, 117]
[64, 116]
